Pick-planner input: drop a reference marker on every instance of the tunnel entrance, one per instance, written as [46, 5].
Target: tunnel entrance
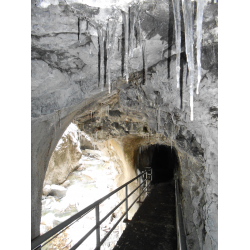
[162, 159]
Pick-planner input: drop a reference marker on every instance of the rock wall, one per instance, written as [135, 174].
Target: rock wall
[65, 157]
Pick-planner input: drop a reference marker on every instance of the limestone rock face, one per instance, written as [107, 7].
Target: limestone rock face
[65, 157]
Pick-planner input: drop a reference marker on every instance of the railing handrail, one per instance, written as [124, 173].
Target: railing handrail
[35, 243]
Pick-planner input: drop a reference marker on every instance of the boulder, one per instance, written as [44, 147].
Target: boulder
[57, 191]
[46, 190]
[66, 184]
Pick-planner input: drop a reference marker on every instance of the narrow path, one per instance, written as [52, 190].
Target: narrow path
[153, 227]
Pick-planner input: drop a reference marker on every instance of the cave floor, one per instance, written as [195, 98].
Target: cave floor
[153, 227]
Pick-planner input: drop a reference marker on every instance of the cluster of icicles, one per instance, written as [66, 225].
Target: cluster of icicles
[131, 19]
[187, 8]
[106, 37]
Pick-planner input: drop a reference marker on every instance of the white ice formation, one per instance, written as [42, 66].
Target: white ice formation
[189, 41]
[177, 18]
[200, 9]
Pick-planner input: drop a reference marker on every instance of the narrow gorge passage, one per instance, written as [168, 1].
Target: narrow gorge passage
[154, 224]
[163, 162]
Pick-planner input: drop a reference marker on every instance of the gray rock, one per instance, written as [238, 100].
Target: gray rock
[46, 190]
[57, 191]
[66, 184]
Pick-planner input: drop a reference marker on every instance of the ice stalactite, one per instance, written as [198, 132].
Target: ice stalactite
[200, 9]
[79, 29]
[144, 57]
[139, 31]
[101, 45]
[177, 18]
[111, 28]
[189, 40]
[108, 48]
[133, 16]
[126, 25]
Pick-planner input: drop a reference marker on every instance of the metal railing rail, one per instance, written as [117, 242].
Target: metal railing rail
[54, 232]
[181, 235]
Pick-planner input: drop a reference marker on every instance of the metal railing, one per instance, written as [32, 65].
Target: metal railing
[44, 239]
[181, 235]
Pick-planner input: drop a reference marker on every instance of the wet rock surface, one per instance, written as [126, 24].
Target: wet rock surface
[153, 227]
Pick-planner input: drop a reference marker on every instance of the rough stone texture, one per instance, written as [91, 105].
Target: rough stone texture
[65, 87]
[65, 157]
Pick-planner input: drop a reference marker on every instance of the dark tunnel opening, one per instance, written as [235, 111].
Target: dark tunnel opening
[162, 159]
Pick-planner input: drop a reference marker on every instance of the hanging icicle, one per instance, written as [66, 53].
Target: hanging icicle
[111, 28]
[140, 33]
[108, 46]
[144, 58]
[132, 31]
[101, 44]
[200, 9]
[177, 18]
[188, 22]
[79, 29]
[126, 25]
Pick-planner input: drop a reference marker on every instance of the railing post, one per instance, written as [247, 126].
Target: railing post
[97, 216]
[126, 196]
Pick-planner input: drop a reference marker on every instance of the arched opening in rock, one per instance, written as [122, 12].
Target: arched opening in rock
[162, 159]
[163, 164]
[78, 174]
